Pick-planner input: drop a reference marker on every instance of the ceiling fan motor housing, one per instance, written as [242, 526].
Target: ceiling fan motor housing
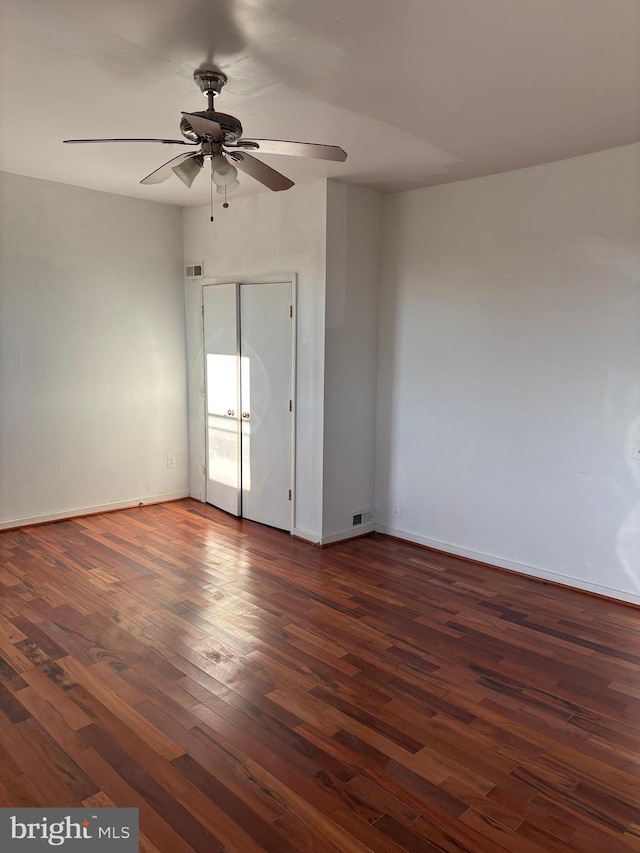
[231, 127]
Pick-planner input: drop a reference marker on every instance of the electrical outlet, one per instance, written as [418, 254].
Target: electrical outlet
[171, 461]
[635, 450]
[395, 509]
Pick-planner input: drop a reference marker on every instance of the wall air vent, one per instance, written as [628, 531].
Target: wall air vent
[364, 517]
[194, 270]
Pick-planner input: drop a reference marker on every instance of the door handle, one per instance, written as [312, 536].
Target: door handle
[230, 412]
[246, 415]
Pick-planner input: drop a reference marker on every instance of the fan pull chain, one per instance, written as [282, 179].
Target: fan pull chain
[211, 193]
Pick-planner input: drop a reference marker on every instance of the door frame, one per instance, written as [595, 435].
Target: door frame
[285, 278]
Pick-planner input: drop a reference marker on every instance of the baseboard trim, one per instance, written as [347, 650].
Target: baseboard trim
[306, 536]
[352, 533]
[91, 510]
[534, 573]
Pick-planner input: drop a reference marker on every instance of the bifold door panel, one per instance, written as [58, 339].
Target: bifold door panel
[222, 396]
[265, 347]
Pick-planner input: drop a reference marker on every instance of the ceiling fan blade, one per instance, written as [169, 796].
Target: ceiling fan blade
[163, 141]
[294, 149]
[204, 126]
[260, 171]
[166, 170]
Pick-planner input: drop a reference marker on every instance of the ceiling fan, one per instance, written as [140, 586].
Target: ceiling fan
[218, 138]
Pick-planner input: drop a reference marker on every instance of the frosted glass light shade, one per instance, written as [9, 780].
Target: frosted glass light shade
[228, 189]
[188, 170]
[224, 176]
[218, 162]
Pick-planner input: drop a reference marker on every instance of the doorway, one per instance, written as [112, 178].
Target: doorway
[248, 388]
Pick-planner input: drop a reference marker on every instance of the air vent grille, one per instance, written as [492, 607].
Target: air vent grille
[194, 270]
[364, 517]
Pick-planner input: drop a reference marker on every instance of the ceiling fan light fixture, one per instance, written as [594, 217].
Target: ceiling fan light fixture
[224, 176]
[188, 170]
[219, 137]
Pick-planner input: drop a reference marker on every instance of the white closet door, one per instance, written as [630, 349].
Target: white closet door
[266, 367]
[222, 396]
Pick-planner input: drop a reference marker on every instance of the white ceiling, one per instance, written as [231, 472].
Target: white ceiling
[418, 92]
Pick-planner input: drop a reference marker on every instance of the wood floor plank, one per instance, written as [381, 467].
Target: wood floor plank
[248, 692]
[151, 790]
[23, 793]
[216, 756]
[51, 721]
[302, 836]
[93, 685]
[49, 768]
[57, 697]
[261, 831]
[151, 761]
[152, 822]
[211, 815]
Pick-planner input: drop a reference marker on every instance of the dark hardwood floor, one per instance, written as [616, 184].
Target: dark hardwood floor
[248, 692]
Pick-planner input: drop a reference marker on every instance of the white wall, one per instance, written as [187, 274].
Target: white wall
[265, 234]
[352, 293]
[92, 351]
[509, 370]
